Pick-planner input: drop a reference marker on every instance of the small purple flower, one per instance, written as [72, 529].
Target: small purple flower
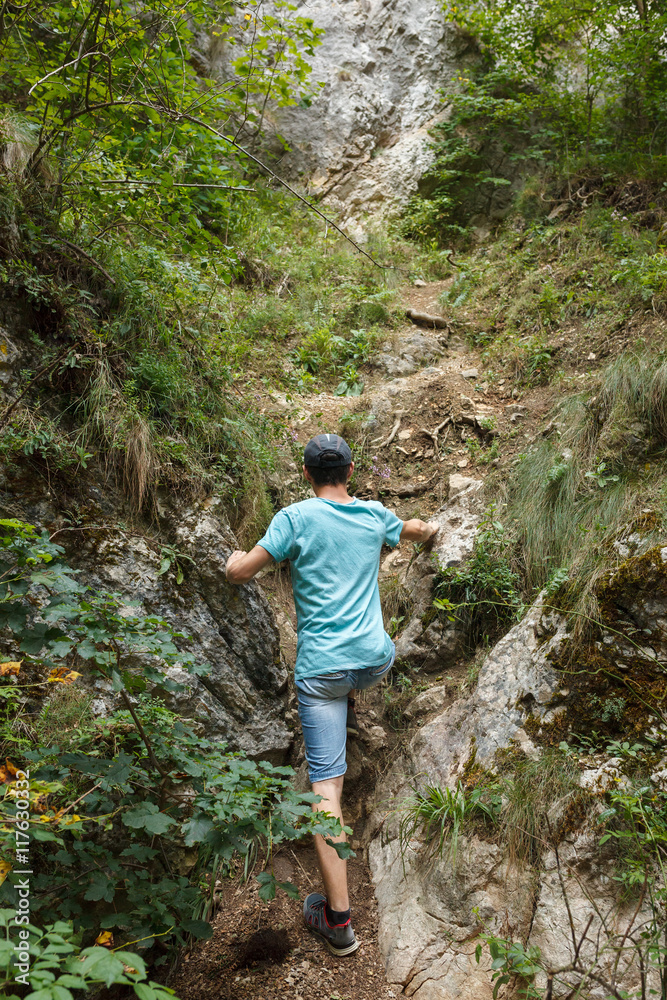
[383, 471]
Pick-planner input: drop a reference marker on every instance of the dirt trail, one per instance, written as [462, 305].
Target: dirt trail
[421, 376]
[423, 379]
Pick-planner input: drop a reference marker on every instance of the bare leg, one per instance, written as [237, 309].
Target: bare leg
[332, 868]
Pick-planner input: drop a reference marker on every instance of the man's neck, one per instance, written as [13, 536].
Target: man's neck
[338, 493]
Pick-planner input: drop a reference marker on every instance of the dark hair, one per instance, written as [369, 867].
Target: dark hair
[333, 476]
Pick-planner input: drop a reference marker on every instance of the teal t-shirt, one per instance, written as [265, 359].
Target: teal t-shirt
[334, 552]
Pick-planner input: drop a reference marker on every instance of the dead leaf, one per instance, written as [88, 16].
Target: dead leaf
[62, 675]
[10, 668]
[5, 869]
[7, 772]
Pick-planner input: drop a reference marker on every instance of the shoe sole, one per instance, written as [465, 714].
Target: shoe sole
[339, 952]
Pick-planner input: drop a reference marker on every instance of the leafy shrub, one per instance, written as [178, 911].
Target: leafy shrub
[57, 964]
[483, 596]
[536, 106]
[325, 353]
[114, 805]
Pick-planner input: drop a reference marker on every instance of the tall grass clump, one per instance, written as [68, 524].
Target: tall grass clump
[534, 796]
[440, 816]
[592, 481]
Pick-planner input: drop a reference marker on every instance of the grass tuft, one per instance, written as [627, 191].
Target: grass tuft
[577, 493]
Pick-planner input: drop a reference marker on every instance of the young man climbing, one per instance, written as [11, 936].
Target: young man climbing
[333, 542]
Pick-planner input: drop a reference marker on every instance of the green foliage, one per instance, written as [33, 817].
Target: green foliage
[129, 118]
[608, 709]
[483, 596]
[512, 961]
[75, 624]
[58, 964]
[115, 805]
[325, 353]
[575, 493]
[553, 92]
[601, 476]
[441, 815]
[635, 821]
[128, 258]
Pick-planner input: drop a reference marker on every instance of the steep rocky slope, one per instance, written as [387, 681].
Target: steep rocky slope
[242, 700]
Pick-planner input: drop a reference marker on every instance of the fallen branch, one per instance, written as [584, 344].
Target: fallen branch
[425, 319]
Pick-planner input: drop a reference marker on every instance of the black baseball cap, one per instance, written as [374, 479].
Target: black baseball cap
[327, 451]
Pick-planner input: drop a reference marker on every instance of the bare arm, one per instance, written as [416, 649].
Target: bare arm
[242, 566]
[419, 531]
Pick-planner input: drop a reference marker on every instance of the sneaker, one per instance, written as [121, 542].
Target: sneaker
[352, 723]
[339, 939]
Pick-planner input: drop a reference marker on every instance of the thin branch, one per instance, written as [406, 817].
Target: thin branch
[90, 259]
[129, 181]
[272, 173]
[81, 797]
[86, 55]
[153, 759]
[180, 116]
[12, 406]
[564, 892]
[629, 927]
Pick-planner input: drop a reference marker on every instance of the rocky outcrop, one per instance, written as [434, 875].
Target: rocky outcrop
[241, 700]
[432, 911]
[431, 915]
[434, 644]
[363, 143]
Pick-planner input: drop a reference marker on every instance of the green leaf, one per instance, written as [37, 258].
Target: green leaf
[267, 886]
[197, 829]
[147, 816]
[200, 929]
[72, 982]
[143, 991]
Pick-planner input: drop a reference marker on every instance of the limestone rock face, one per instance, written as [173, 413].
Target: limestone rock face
[435, 646]
[430, 916]
[242, 700]
[428, 905]
[428, 930]
[363, 143]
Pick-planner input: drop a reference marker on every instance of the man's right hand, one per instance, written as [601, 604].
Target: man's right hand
[430, 530]
[419, 531]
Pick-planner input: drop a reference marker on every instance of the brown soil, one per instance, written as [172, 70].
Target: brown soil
[242, 962]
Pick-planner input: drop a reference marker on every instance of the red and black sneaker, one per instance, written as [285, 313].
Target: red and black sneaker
[339, 939]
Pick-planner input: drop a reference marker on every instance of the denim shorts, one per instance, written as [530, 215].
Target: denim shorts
[323, 714]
